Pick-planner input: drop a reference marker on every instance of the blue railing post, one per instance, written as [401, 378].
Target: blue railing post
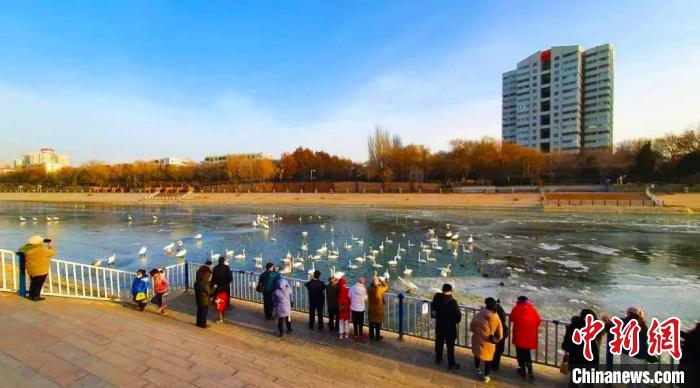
[400, 296]
[22, 286]
[187, 276]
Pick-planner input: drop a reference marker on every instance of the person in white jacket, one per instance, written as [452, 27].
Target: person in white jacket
[358, 297]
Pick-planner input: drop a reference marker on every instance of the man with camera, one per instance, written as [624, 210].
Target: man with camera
[37, 257]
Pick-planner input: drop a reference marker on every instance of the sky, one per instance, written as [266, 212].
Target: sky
[117, 81]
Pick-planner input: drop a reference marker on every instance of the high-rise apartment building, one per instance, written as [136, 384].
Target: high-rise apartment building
[560, 99]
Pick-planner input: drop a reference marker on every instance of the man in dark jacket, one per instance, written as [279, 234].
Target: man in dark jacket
[332, 303]
[575, 351]
[445, 310]
[317, 294]
[501, 345]
[221, 284]
[268, 280]
[690, 360]
[202, 293]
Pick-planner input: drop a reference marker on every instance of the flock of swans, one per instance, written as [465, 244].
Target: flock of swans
[407, 253]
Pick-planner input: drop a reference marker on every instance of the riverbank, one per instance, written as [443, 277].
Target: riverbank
[411, 200]
[675, 203]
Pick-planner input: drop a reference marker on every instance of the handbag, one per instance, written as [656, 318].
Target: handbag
[564, 366]
[140, 296]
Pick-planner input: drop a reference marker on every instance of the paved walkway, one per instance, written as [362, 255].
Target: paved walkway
[71, 342]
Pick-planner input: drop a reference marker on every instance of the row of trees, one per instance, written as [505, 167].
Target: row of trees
[673, 157]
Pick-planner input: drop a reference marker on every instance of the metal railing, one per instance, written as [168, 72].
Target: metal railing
[76, 280]
[8, 271]
[407, 315]
[404, 315]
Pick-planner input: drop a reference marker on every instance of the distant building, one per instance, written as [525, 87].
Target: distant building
[46, 158]
[214, 159]
[170, 161]
[5, 168]
[560, 99]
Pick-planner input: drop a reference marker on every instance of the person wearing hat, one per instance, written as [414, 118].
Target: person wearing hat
[375, 299]
[445, 309]
[487, 331]
[268, 280]
[525, 321]
[332, 302]
[37, 258]
[202, 292]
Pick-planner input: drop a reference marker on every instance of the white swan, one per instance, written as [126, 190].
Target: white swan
[181, 253]
[351, 265]
[386, 239]
[455, 236]
[421, 260]
[240, 255]
[407, 271]
[470, 239]
[360, 259]
[197, 236]
[312, 270]
[444, 271]
[448, 234]
[410, 244]
[401, 249]
[347, 246]
[22, 219]
[169, 247]
[229, 252]
[214, 256]
[386, 274]
[142, 251]
[112, 259]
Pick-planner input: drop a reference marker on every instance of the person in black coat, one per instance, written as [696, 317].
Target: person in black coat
[575, 351]
[317, 297]
[501, 345]
[202, 293]
[221, 284]
[690, 360]
[445, 309]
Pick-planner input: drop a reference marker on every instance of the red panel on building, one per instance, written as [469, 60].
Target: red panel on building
[545, 55]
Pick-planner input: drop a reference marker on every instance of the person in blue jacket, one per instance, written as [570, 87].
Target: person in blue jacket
[139, 289]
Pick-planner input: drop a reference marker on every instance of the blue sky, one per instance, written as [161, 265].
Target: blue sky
[124, 80]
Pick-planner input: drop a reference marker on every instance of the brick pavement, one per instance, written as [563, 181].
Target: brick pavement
[72, 342]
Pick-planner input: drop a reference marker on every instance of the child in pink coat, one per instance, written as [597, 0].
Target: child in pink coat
[160, 287]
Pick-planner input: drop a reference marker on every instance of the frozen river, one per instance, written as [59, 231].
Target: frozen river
[562, 261]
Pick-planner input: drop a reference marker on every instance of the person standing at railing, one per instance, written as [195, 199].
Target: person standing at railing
[375, 297]
[526, 322]
[358, 297]
[160, 287]
[501, 345]
[317, 296]
[37, 258]
[487, 331]
[202, 292]
[574, 352]
[690, 360]
[332, 303]
[139, 289]
[221, 288]
[282, 300]
[445, 309]
[267, 283]
[343, 307]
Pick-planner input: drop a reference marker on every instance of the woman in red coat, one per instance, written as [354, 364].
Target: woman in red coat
[525, 321]
[343, 307]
